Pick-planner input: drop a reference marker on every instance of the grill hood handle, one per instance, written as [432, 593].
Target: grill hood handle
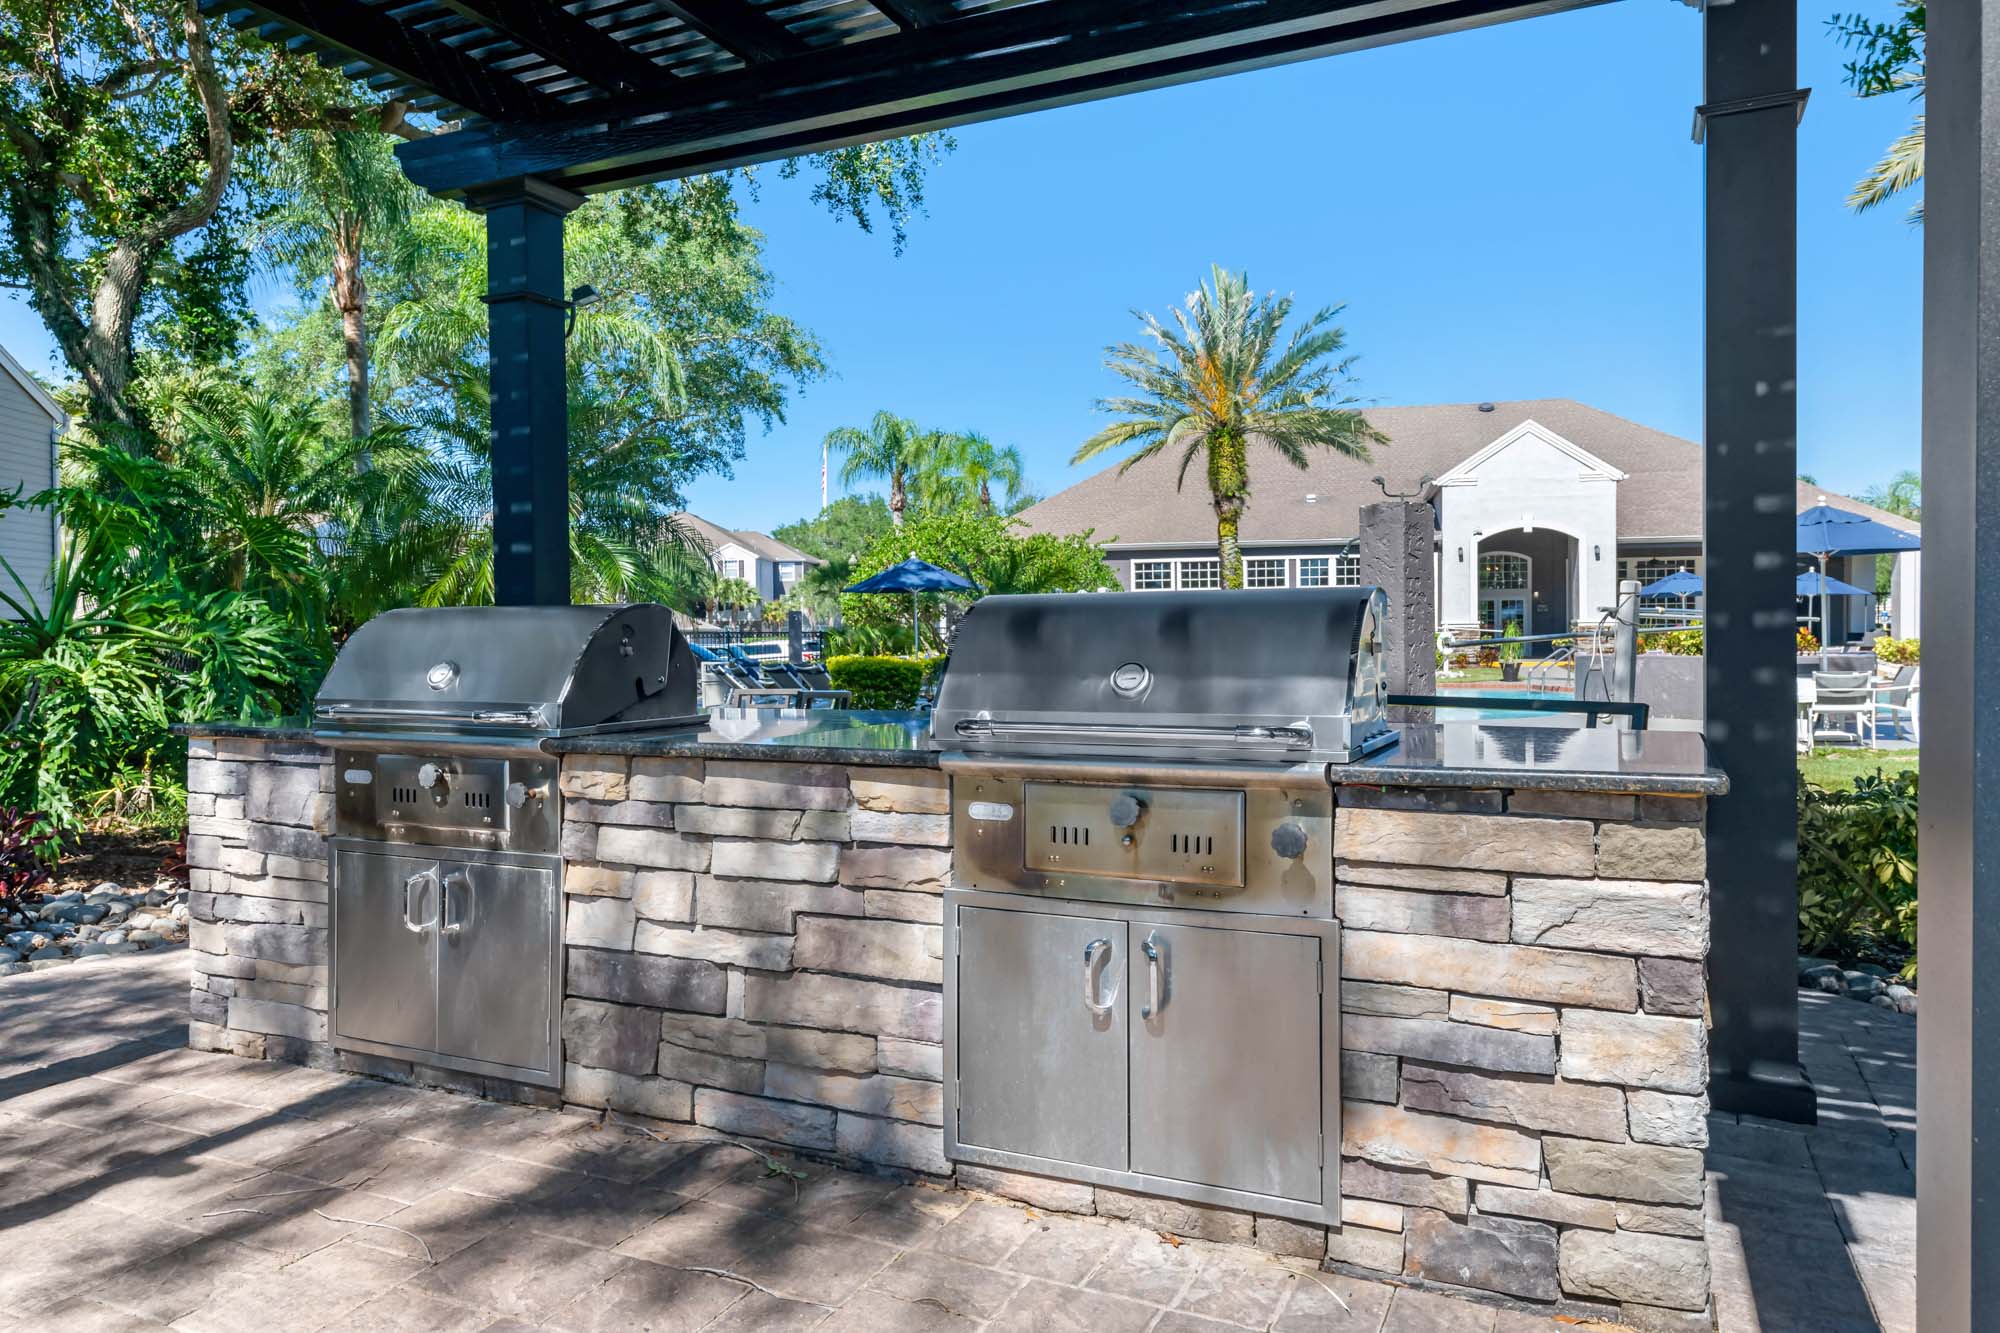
[491, 717]
[1292, 738]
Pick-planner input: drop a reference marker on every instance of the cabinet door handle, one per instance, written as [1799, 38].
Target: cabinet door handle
[1095, 954]
[427, 878]
[464, 882]
[1156, 971]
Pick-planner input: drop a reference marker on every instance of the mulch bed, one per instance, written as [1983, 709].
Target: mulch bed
[131, 860]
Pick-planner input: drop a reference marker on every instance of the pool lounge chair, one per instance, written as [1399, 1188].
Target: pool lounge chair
[1844, 694]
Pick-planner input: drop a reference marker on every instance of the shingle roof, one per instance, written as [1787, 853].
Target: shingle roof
[1661, 498]
[714, 535]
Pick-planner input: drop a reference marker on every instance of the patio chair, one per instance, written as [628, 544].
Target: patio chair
[737, 680]
[1842, 694]
[1896, 702]
[814, 686]
[1807, 696]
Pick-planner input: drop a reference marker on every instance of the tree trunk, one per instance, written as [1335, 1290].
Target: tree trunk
[897, 498]
[350, 297]
[1229, 492]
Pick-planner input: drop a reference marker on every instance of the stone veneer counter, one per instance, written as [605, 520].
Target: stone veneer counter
[753, 925]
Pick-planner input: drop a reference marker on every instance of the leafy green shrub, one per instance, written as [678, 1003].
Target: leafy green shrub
[1511, 652]
[1678, 642]
[1896, 652]
[1858, 867]
[879, 682]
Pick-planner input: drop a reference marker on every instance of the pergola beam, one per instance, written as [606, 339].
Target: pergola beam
[910, 15]
[581, 48]
[971, 69]
[738, 28]
[342, 28]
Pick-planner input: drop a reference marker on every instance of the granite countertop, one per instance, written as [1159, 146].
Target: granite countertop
[1664, 762]
[809, 736]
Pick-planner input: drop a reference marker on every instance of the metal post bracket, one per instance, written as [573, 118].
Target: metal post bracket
[1738, 106]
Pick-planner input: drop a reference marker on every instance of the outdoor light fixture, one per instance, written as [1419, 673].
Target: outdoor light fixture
[1461, 555]
[583, 298]
[1596, 552]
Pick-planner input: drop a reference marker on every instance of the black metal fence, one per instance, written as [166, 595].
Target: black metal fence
[759, 640]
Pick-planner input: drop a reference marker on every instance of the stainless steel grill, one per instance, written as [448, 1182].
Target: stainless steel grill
[446, 872]
[1141, 977]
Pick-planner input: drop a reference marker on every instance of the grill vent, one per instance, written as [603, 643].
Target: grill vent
[1192, 844]
[406, 795]
[1069, 835]
[479, 800]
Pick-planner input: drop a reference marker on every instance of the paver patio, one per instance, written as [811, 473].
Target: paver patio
[144, 1185]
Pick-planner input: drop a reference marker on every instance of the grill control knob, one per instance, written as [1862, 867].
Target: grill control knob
[1289, 840]
[1126, 809]
[519, 792]
[430, 776]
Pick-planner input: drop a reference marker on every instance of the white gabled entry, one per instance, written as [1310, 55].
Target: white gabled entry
[1530, 479]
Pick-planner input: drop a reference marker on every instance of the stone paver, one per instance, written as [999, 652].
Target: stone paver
[143, 1185]
[1812, 1229]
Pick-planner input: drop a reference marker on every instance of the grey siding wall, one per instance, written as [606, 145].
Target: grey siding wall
[27, 536]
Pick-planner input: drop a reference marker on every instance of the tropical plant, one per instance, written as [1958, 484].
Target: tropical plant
[892, 449]
[1858, 866]
[339, 192]
[126, 639]
[1677, 642]
[27, 847]
[734, 595]
[987, 548]
[1903, 496]
[1224, 379]
[1889, 59]
[963, 470]
[1807, 642]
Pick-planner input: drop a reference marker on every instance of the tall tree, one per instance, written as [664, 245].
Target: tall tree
[1226, 378]
[963, 470]
[1889, 58]
[338, 192]
[892, 449]
[120, 126]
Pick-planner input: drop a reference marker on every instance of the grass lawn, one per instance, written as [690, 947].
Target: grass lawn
[1839, 767]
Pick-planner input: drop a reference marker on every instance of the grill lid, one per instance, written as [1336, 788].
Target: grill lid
[510, 669]
[1270, 675]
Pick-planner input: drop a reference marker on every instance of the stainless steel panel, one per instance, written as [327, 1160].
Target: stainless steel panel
[992, 836]
[446, 798]
[1226, 1057]
[1040, 1034]
[1267, 674]
[1174, 834]
[498, 983]
[1321, 1207]
[384, 959]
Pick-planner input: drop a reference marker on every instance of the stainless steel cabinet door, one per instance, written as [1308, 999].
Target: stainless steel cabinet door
[1041, 1035]
[385, 966]
[1226, 1057]
[496, 963]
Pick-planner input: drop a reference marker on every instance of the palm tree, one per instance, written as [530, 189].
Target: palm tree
[341, 190]
[964, 469]
[1221, 381]
[1889, 58]
[892, 449]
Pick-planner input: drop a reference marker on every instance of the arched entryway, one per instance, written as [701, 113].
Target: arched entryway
[1526, 577]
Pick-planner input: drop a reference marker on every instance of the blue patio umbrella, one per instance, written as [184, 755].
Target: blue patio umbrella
[914, 577]
[1825, 532]
[1818, 585]
[1680, 583]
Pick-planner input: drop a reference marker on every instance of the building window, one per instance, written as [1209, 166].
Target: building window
[729, 569]
[788, 572]
[1651, 569]
[1315, 571]
[1503, 569]
[1347, 570]
[1201, 573]
[1152, 575]
[1264, 572]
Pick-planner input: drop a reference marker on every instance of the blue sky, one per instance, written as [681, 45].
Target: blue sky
[1508, 213]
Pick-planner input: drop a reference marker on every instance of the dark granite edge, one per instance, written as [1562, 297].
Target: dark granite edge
[1713, 782]
[252, 731]
[694, 747]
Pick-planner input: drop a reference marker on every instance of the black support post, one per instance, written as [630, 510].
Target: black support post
[1749, 122]
[527, 310]
[1958, 1036]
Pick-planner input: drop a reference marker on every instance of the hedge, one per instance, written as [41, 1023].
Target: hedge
[879, 682]
[1858, 868]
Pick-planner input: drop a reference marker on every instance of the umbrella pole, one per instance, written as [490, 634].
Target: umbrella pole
[916, 639]
[1822, 612]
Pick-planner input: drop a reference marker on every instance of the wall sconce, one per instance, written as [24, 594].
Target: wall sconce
[1461, 555]
[1596, 552]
